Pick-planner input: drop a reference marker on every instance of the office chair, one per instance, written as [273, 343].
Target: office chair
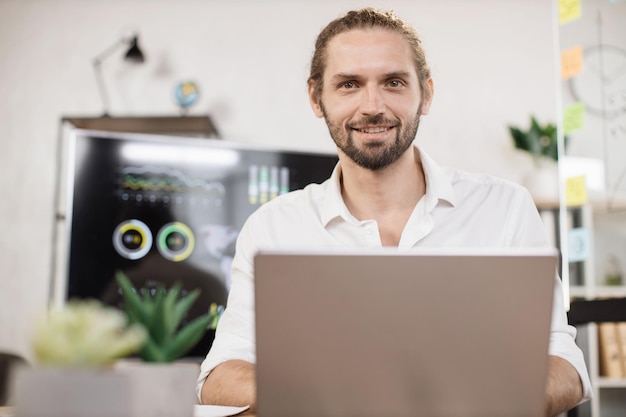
[595, 311]
[8, 363]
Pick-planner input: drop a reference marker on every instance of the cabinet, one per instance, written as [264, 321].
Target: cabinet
[596, 248]
[608, 246]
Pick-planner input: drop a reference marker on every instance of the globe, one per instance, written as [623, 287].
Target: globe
[186, 94]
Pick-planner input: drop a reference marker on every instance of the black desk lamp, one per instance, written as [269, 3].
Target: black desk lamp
[133, 54]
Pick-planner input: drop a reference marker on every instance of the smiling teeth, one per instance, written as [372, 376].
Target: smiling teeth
[374, 130]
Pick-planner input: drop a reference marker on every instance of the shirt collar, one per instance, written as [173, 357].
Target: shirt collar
[438, 187]
[438, 182]
[332, 204]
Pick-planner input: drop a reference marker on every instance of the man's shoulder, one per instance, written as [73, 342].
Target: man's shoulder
[463, 178]
[487, 188]
[461, 182]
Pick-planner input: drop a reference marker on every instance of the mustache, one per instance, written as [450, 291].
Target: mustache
[378, 119]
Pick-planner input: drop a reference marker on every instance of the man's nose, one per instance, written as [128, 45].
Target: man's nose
[372, 100]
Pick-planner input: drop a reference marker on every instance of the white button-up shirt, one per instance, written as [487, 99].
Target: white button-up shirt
[458, 210]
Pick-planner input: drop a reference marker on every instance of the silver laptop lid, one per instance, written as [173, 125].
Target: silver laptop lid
[429, 333]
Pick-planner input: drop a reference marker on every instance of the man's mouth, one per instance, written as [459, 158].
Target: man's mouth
[374, 129]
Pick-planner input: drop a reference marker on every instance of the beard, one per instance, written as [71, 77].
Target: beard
[375, 155]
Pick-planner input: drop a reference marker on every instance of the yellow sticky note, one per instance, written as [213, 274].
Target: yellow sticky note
[573, 117]
[569, 10]
[571, 62]
[575, 191]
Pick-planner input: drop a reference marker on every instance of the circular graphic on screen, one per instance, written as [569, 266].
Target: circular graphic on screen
[175, 241]
[132, 239]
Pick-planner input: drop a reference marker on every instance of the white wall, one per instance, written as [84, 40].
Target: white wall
[492, 62]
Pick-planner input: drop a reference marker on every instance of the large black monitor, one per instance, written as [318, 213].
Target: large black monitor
[165, 209]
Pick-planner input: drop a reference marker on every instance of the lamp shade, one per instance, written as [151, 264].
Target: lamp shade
[134, 54]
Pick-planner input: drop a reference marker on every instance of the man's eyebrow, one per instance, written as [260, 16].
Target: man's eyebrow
[342, 76]
[398, 74]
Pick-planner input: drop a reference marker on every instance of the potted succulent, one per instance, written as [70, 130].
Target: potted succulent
[162, 386]
[74, 348]
[161, 314]
[82, 352]
[541, 142]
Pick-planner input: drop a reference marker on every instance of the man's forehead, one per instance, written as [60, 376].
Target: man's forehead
[362, 35]
[369, 49]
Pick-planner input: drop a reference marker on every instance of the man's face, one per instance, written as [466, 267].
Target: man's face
[371, 97]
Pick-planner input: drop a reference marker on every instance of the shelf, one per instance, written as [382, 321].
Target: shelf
[578, 291]
[608, 291]
[603, 291]
[605, 204]
[196, 126]
[604, 382]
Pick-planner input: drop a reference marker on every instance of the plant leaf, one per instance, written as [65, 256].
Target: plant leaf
[539, 140]
[182, 306]
[133, 304]
[187, 337]
[151, 352]
[147, 301]
[169, 305]
[519, 138]
[158, 328]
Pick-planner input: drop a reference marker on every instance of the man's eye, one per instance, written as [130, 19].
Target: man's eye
[348, 84]
[395, 83]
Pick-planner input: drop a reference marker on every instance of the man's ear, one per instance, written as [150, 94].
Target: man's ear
[427, 97]
[314, 99]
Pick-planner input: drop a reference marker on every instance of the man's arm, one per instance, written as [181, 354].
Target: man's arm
[231, 383]
[564, 390]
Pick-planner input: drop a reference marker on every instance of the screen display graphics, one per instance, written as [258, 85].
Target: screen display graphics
[168, 209]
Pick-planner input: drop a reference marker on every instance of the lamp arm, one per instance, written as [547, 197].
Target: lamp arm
[105, 54]
[97, 67]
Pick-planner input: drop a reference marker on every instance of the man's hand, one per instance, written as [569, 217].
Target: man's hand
[231, 383]
[563, 389]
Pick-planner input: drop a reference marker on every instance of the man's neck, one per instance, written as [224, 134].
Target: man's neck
[388, 195]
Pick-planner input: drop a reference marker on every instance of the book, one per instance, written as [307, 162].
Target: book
[621, 337]
[610, 352]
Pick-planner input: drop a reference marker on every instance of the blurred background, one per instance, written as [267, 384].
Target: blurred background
[494, 63]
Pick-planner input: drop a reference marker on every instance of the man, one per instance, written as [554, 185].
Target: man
[370, 82]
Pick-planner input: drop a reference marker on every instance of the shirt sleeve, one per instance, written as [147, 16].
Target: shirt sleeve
[235, 337]
[531, 232]
[563, 340]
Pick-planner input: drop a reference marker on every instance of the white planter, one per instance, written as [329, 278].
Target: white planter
[130, 389]
[160, 390]
[543, 182]
[50, 392]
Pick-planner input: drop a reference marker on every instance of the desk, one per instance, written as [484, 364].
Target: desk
[10, 412]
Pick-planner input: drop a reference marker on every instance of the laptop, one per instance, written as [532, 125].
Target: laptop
[436, 333]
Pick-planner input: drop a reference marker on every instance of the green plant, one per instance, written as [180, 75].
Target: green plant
[539, 140]
[161, 314]
[85, 333]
